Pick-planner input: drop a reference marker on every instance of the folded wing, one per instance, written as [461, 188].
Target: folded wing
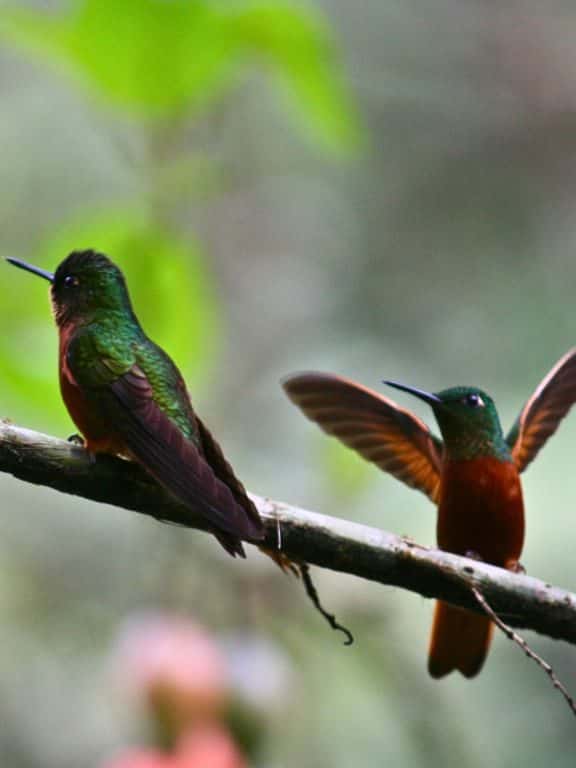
[175, 461]
[544, 411]
[371, 424]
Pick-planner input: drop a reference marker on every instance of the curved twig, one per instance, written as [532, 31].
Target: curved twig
[523, 645]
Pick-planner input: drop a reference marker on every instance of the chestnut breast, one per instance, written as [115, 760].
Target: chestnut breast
[83, 410]
[481, 510]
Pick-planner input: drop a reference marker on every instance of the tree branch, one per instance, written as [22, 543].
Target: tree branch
[310, 537]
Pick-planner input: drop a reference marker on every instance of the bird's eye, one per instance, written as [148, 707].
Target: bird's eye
[474, 401]
[70, 281]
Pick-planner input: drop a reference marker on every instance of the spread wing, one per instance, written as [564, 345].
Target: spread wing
[394, 439]
[179, 463]
[544, 411]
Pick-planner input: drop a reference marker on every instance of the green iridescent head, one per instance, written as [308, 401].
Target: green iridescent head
[468, 421]
[84, 283]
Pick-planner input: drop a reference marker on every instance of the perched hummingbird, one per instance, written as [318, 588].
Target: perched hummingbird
[472, 475]
[127, 397]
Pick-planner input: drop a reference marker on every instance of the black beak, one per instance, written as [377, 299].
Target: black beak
[428, 397]
[29, 268]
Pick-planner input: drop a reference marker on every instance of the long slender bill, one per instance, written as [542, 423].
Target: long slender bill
[30, 268]
[428, 397]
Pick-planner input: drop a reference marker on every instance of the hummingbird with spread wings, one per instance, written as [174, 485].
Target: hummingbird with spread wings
[127, 397]
[472, 474]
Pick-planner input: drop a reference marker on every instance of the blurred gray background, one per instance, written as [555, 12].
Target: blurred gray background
[437, 250]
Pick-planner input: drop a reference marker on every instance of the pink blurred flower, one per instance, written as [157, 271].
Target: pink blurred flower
[208, 747]
[175, 666]
[205, 747]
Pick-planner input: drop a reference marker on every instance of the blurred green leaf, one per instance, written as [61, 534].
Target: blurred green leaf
[161, 57]
[171, 289]
[347, 474]
[297, 46]
[28, 347]
[153, 56]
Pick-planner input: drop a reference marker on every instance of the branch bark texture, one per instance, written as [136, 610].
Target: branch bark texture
[327, 542]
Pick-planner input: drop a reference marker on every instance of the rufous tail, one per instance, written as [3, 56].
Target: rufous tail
[460, 640]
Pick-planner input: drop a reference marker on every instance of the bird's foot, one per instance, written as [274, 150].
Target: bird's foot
[76, 439]
[516, 567]
[79, 441]
[473, 555]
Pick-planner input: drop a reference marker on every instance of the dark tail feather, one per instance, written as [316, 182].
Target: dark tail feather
[225, 473]
[231, 544]
[460, 640]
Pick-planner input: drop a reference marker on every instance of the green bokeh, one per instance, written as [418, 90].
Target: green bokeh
[153, 58]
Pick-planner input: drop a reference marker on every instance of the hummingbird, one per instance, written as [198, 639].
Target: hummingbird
[127, 397]
[472, 474]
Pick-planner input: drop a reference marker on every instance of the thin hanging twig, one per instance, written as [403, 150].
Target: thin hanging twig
[312, 593]
[303, 570]
[516, 638]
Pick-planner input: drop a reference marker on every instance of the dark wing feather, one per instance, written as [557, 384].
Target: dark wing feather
[224, 472]
[544, 411]
[176, 463]
[394, 439]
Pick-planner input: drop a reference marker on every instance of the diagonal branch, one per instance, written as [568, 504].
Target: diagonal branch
[317, 539]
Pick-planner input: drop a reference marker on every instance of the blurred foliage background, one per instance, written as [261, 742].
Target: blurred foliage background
[379, 189]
